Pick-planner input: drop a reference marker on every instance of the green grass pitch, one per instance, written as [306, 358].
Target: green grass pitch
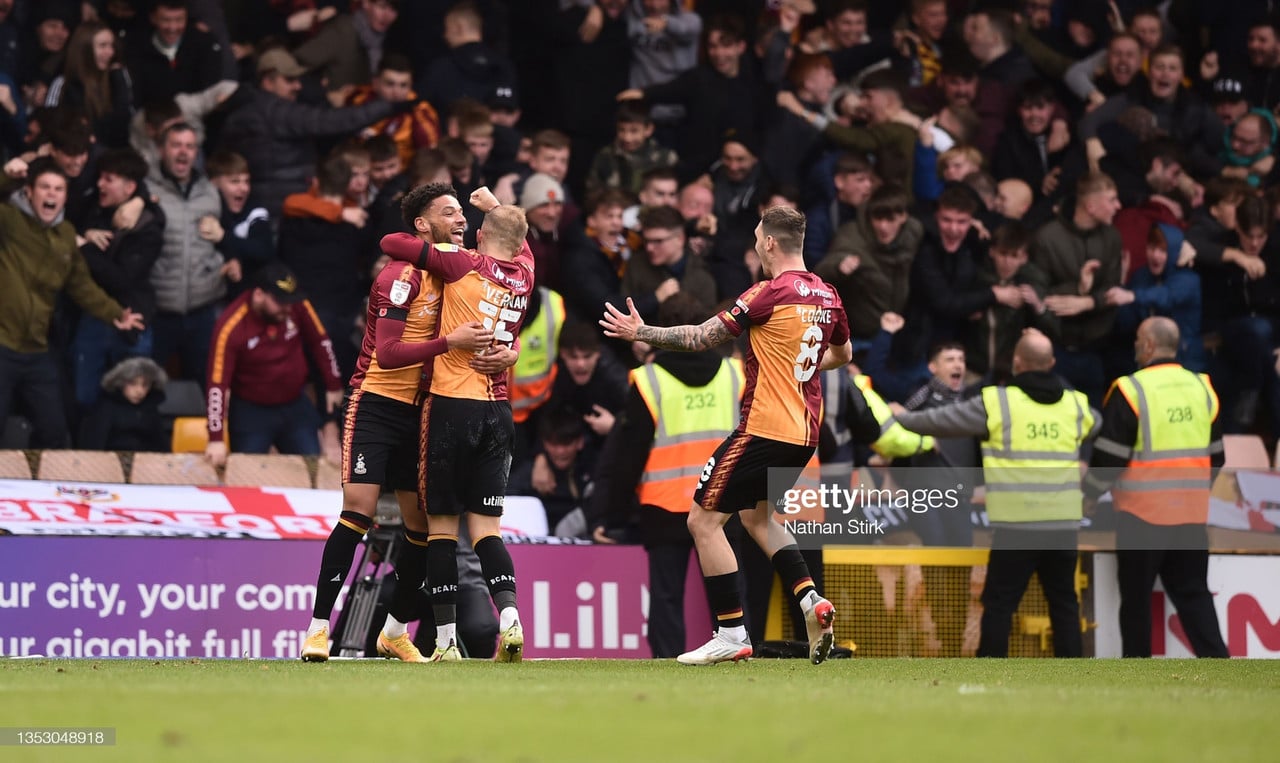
[601, 710]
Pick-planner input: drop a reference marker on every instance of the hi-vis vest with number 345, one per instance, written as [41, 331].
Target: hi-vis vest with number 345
[689, 423]
[534, 373]
[1031, 457]
[1167, 481]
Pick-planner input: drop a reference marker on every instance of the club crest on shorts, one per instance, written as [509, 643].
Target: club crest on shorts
[360, 467]
[399, 292]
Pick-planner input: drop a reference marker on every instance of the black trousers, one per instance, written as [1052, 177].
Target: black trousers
[668, 569]
[34, 376]
[1015, 555]
[1183, 568]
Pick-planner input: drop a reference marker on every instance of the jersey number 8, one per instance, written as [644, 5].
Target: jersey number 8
[807, 361]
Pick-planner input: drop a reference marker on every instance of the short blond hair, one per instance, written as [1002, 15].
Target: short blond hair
[959, 152]
[505, 226]
[1094, 182]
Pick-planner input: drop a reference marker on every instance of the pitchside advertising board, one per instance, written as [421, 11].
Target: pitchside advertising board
[228, 592]
[1245, 594]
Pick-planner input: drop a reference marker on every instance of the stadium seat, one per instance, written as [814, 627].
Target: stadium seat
[183, 397]
[172, 469]
[14, 465]
[328, 475]
[252, 470]
[80, 466]
[16, 433]
[1245, 451]
[190, 434]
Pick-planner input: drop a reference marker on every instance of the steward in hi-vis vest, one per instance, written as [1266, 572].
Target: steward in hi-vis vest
[1160, 441]
[680, 406]
[1031, 432]
[690, 423]
[535, 370]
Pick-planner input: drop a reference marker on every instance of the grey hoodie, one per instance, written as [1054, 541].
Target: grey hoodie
[661, 57]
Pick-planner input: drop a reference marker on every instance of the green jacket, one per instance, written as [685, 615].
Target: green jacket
[36, 262]
[892, 144]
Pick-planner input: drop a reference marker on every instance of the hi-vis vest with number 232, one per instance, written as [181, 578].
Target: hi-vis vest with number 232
[1167, 481]
[534, 373]
[1031, 457]
[689, 423]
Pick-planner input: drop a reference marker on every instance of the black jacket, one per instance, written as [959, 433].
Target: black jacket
[588, 76]
[197, 66]
[1186, 118]
[1262, 87]
[473, 71]
[112, 128]
[1017, 155]
[124, 269]
[277, 137]
[946, 288]
[330, 260]
[117, 424]
[248, 238]
[714, 104]
[595, 280]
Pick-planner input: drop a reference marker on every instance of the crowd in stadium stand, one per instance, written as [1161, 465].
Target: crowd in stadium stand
[968, 168]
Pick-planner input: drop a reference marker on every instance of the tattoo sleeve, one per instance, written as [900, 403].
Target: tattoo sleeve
[710, 333]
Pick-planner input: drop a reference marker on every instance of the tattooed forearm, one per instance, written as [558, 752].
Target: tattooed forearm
[711, 333]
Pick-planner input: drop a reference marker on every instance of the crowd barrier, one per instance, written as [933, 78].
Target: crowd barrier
[189, 570]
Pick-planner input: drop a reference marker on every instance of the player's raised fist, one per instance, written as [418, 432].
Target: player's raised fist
[483, 199]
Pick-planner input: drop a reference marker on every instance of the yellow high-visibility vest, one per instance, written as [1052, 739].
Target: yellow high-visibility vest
[534, 373]
[895, 440]
[1031, 456]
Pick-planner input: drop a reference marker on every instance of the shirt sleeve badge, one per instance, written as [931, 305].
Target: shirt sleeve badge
[399, 292]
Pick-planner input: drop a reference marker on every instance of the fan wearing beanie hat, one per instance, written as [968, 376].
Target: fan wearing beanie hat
[541, 189]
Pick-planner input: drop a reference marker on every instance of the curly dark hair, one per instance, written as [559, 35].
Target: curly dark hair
[416, 201]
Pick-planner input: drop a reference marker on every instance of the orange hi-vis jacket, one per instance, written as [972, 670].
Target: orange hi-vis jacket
[1167, 479]
[689, 422]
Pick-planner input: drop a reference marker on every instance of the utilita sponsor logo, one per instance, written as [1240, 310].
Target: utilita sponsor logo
[608, 624]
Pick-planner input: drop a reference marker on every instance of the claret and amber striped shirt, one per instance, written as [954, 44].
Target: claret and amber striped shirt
[791, 320]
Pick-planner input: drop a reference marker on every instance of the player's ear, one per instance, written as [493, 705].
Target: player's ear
[421, 225]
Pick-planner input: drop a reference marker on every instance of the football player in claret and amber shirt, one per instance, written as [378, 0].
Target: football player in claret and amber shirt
[381, 429]
[467, 426]
[796, 327]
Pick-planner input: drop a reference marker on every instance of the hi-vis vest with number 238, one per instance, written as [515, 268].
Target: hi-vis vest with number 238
[689, 423]
[534, 373]
[1167, 481]
[1031, 457]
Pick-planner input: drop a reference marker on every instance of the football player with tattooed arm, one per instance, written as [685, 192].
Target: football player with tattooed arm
[796, 326]
[381, 428]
